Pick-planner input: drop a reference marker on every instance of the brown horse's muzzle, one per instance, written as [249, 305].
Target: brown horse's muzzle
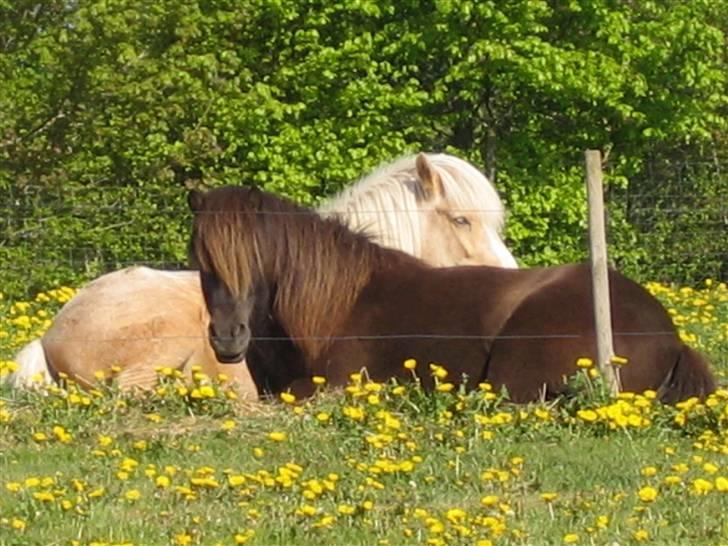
[231, 344]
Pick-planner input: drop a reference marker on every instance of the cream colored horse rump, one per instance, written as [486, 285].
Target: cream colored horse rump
[137, 320]
[434, 206]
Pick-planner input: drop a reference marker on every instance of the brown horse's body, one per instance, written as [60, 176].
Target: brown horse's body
[520, 329]
[373, 308]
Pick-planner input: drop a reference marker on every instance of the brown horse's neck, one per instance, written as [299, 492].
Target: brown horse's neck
[319, 279]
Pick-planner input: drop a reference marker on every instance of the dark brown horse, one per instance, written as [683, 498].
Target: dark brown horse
[336, 303]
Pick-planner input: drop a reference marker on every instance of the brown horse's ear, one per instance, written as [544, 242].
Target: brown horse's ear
[429, 179]
[195, 199]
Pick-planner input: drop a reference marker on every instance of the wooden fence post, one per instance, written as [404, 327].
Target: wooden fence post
[600, 277]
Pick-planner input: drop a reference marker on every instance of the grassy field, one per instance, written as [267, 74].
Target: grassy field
[376, 464]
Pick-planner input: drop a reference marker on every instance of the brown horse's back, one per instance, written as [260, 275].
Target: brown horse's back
[554, 326]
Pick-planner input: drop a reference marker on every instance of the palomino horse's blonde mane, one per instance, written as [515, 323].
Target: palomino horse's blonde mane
[385, 203]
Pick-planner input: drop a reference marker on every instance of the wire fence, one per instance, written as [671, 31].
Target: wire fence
[668, 225]
[677, 214]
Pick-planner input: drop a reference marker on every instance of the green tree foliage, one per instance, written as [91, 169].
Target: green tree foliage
[109, 110]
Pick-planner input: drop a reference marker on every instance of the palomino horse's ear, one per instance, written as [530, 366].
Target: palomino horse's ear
[195, 200]
[429, 179]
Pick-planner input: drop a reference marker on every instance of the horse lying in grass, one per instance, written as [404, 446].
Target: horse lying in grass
[139, 318]
[333, 303]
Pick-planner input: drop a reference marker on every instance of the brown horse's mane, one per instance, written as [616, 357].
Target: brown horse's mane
[316, 265]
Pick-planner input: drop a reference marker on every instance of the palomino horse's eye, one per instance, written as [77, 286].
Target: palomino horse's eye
[460, 221]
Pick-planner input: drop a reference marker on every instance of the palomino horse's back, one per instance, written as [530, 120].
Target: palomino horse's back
[136, 319]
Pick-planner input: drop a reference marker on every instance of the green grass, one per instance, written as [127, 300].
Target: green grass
[401, 467]
[415, 468]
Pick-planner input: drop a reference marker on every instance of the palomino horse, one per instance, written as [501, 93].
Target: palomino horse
[139, 318]
[345, 304]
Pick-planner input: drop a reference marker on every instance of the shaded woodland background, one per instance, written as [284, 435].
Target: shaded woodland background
[110, 110]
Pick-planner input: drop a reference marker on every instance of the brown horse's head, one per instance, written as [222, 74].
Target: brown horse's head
[230, 292]
[245, 240]
[230, 319]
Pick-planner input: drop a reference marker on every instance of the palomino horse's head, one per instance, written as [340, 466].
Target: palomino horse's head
[460, 226]
[437, 207]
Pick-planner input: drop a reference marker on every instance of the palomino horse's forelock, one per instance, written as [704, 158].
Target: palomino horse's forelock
[296, 257]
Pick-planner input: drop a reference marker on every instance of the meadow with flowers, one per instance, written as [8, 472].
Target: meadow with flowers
[386, 464]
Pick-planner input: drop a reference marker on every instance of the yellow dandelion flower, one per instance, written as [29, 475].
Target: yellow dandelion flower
[571, 538]
[353, 413]
[549, 497]
[647, 494]
[318, 380]
[325, 521]
[277, 436]
[288, 398]
[702, 486]
[346, 509]
[587, 415]
[584, 363]
[640, 535]
[410, 364]
[438, 371]
[455, 515]
[672, 480]
[44, 496]
[618, 361]
[307, 510]
[182, 539]
[490, 500]
[242, 538]
[132, 495]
